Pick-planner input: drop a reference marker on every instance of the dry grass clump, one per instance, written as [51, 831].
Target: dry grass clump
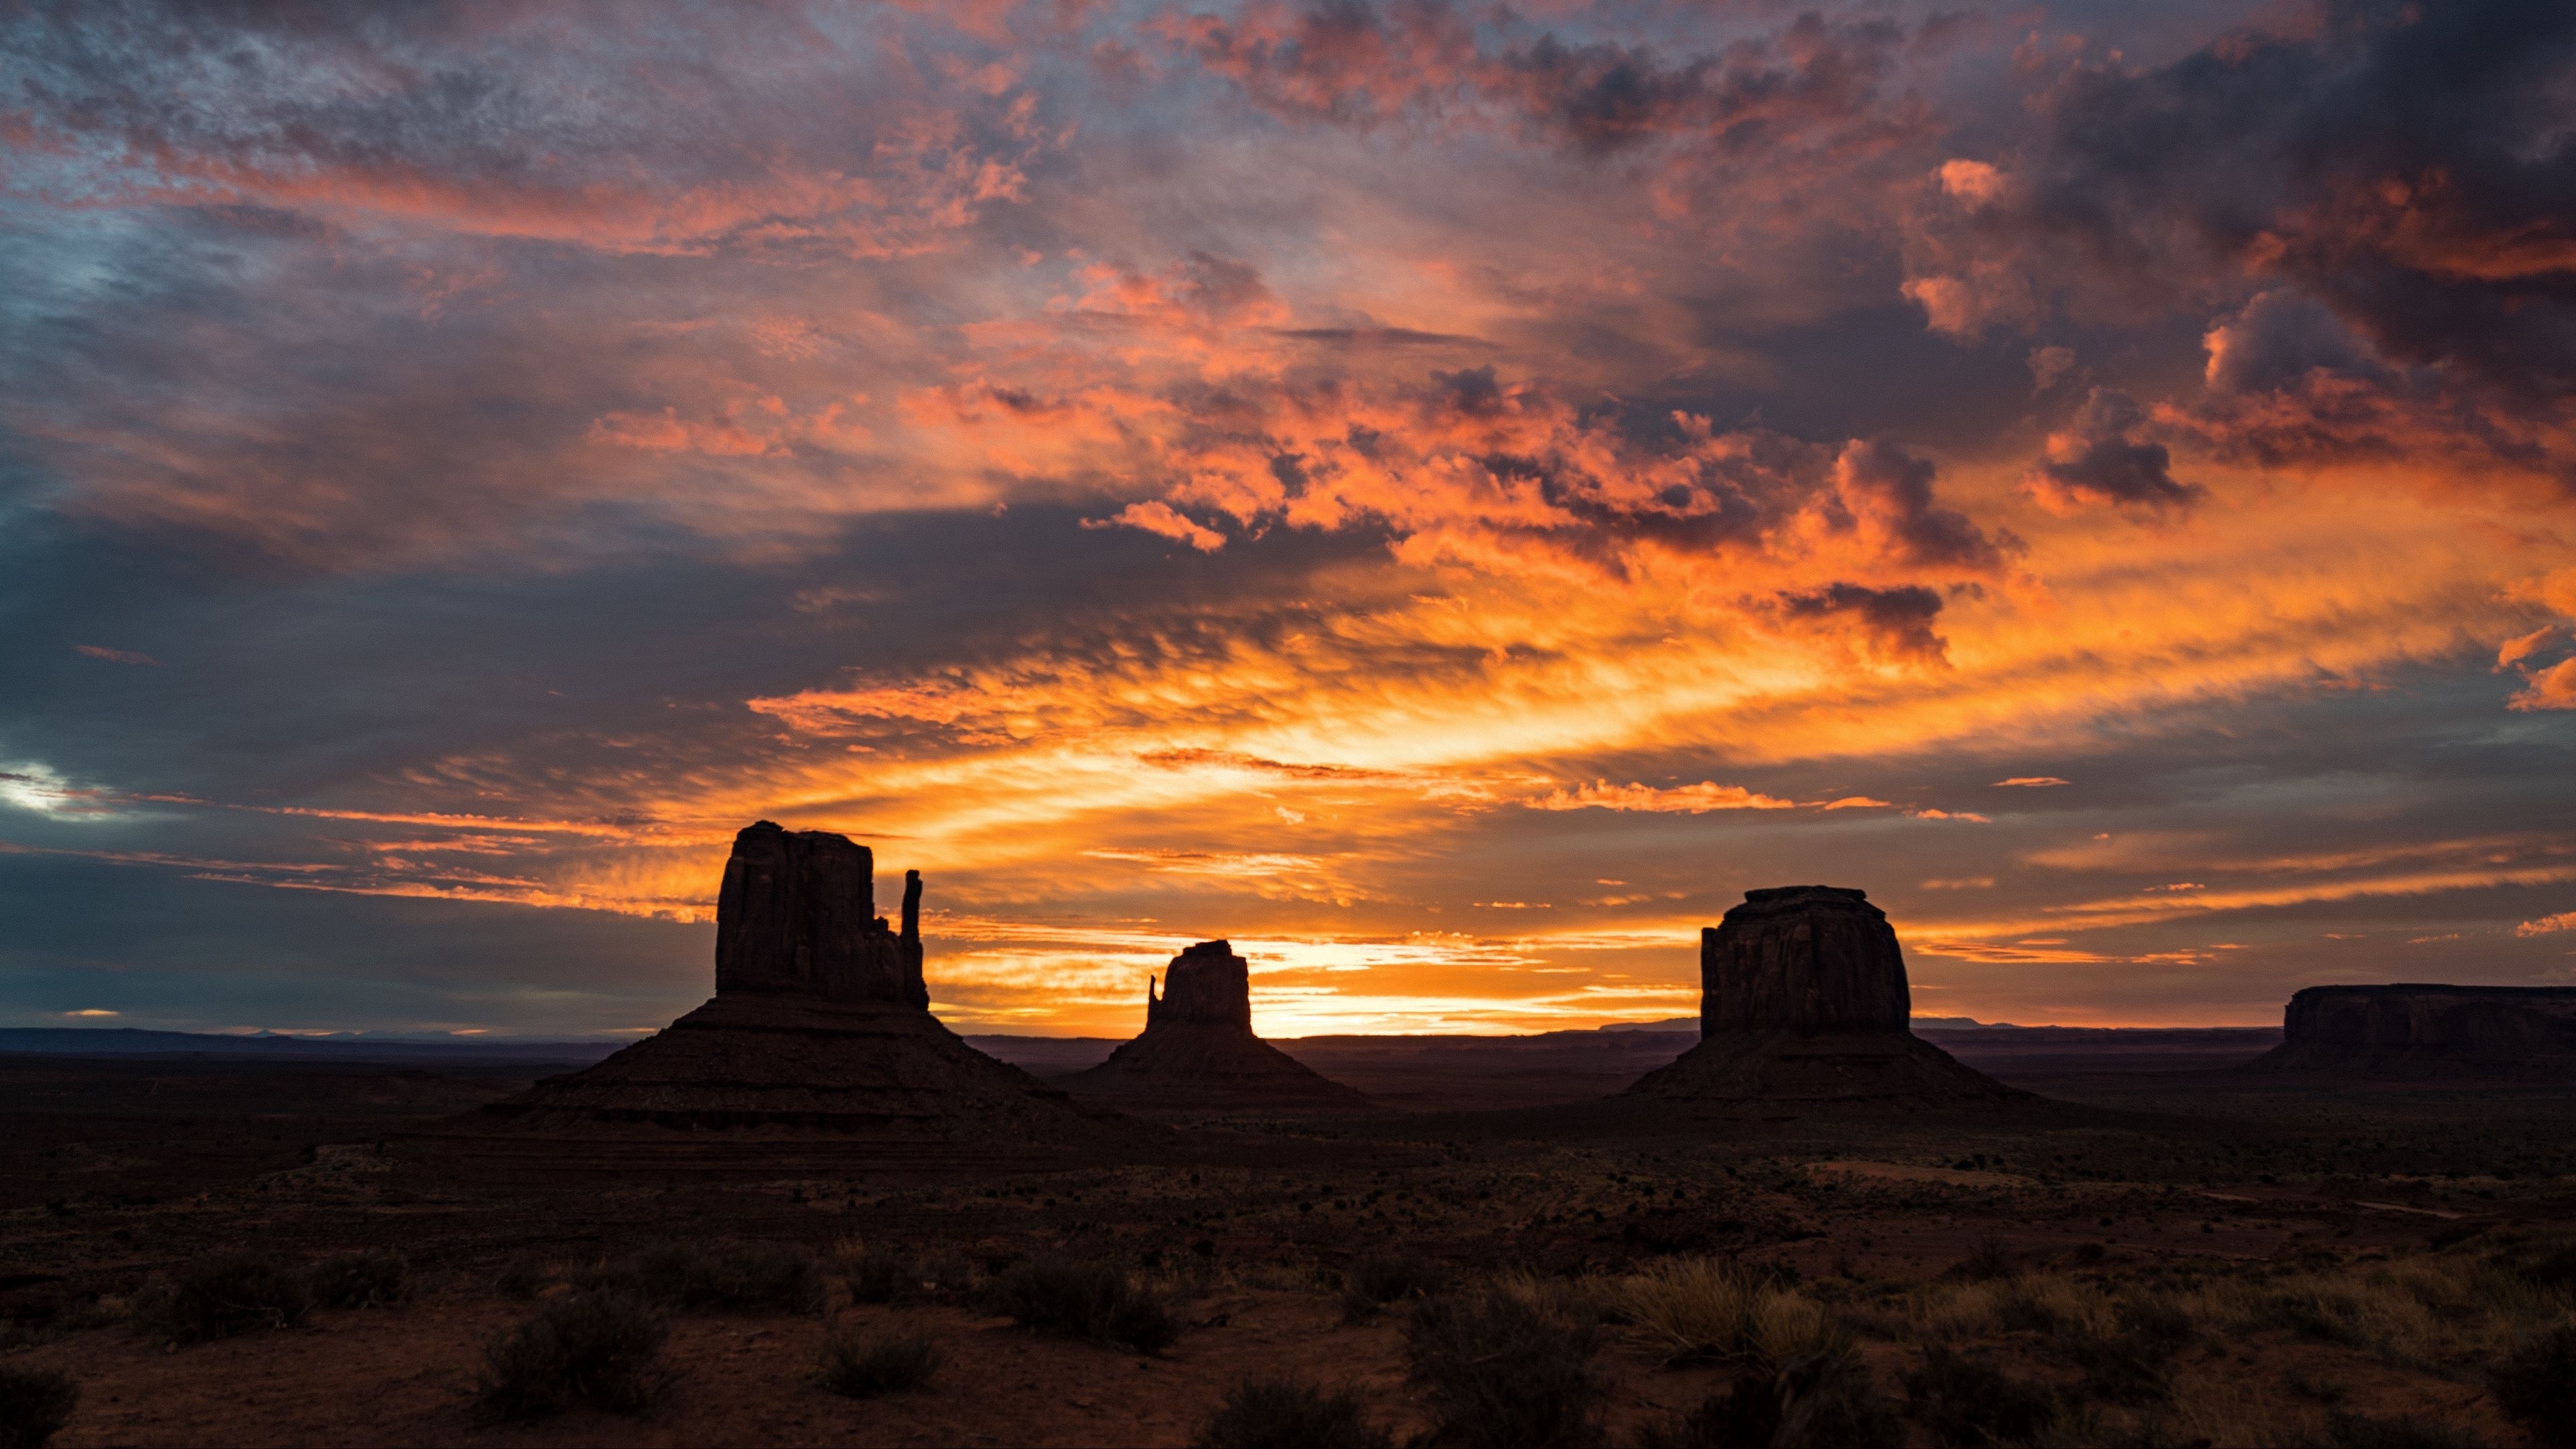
[1712, 1310]
[734, 1275]
[864, 1364]
[526, 1275]
[529, 1275]
[1506, 1369]
[1823, 1402]
[362, 1279]
[2535, 1385]
[2397, 1431]
[34, 1405]
[220, 1296]
[1290, 1414]
[1968, 1402]
[601, 1348]
[2443, 1312]
[2037, 1302]
[1085, 1300]
[2132, 1363]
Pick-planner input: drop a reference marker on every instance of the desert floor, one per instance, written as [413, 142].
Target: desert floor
[2337, 1256]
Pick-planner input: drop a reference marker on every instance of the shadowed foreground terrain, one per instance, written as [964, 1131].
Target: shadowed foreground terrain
[2155, 1256]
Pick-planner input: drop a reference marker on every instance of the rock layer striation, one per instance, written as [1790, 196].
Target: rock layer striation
[820, 1024]
[1198, 1052]
[2417, 1030]
[1803, 998]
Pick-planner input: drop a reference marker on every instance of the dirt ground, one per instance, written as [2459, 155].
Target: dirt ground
[2199, 1187]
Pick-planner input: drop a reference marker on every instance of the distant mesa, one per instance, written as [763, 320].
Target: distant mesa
[1803, 999]
[820, 1024]
[1198, 1053]
[2422, 1031]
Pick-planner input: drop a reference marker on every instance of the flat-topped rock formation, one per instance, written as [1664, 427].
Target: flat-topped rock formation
[2415, 1030]
[797, 916]
[820, 1024]
[1198, 1053]
[1803, 999]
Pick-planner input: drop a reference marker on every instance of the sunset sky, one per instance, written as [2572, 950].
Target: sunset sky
[1448, 496]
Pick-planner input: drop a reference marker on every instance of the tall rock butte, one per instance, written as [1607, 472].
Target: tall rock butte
[1803, 998]
[2418, 1030]
[820, 1024]
[1198, 1053]
[797, 916]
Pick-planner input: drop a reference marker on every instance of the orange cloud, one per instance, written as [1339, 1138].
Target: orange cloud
[2551, 688]
[1696, 799]
[113, 656]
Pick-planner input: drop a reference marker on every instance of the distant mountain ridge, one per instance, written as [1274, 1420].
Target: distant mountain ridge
[135, 1041]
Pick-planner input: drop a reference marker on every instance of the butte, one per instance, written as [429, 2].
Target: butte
[1803, 999]
[820, 1030]
[1198, 1054]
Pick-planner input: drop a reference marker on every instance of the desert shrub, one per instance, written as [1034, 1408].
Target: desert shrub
[1963, 1401]
[2051, 1303]
[2535, 1385]
[2133, 1364]
[1988, 1260]
[1085, 1300]
[1504, 1372]
[734, 1275]
[944, 1275]
[525, 1276]
[1388, 1276]
[871, 1275]
[862, 1365]
[1288, 1414]
[2396, 1431]
[2554, 1269]
[221, 1296]
[1823, 1402]
[2329, 1315]
[360, 1280]
[34, 1405]
[602, 1349]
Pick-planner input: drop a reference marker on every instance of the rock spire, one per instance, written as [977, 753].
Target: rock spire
[1198, 1052]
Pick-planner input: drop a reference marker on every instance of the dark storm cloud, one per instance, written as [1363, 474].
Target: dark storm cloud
[2407, 166]
[2103, 461]
[1355, 62]
[1899, 620]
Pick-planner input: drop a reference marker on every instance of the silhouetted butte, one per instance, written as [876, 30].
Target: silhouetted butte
[1197, 1051]
[1803, 998]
